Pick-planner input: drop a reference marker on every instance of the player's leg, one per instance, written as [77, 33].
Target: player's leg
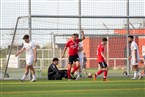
[69, 67]
[30, 60]
[77, 62]
[26, 73]
[135, 68]
[99, 72]
[77, 68]
[84, 68]
[69, 70]
[33, 73]
[104, 69]
[81, 66]
[136, 72]
[105, 73]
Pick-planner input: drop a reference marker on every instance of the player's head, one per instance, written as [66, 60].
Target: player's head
[55, 61]
[130, 38]
[77, 35]
[74, 37]
[104, 41]
[26, 38]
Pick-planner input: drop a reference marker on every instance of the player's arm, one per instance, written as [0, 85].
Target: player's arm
[83, 35]
[129, 57]
[65, 48]
[135, 52]
[55, 69]
[35, 54]
[20, 51]
[102, 54]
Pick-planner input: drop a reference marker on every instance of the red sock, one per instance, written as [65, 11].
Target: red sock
[99, 72]
[68, 73]
[105, 73]
[75, 69]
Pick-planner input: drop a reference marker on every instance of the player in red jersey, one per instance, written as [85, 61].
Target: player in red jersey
[72, 44]
[101, 60]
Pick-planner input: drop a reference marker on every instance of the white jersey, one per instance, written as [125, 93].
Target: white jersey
[80, 53]
[133, 48]
[29, 48]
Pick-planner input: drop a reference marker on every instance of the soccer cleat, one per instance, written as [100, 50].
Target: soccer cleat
[69, 79]
[22, 80]
[140, 77]
[133, 78]
[94, 77]
[72, 76]
[33, 80]
[78, 77]
[104, 79]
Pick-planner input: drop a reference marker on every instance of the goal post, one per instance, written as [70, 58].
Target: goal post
[52, 35]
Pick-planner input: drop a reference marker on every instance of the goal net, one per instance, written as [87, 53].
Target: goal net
[52, 28]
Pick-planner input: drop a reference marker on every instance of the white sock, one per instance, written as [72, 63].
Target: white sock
[135, 74]
[139, 73]
[24, 76]
[34, 77]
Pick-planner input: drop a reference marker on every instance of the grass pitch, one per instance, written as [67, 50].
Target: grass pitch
[115, 87]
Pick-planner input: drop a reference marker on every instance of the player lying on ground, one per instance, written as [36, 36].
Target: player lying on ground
[134, 57]
[101, 60]
[72, 44]
[31, 57]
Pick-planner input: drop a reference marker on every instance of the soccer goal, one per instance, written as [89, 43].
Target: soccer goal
[51, 32]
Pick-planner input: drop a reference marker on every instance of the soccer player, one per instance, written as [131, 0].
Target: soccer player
[134, 57]
[101, 60]
[81, 56]
[31, 56]
[72, 44]
[54, 73]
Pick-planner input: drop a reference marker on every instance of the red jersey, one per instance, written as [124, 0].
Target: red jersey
[99, 50]
[73, 47]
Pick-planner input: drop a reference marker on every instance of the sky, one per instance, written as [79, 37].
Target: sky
[11, 9]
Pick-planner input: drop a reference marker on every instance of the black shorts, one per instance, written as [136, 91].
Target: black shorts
[73, 59]
[103, 64]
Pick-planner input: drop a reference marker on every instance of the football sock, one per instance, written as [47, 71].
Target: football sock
[75, 69]
[34, 77]
[24, 76]
[68, 73]
[135, 74]
[105, 73]
[99, 72]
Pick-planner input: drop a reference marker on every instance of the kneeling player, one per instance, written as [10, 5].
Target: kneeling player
[101, 60]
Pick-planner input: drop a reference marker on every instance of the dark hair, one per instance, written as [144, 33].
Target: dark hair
[26, 36]
[131, 36]
[75, 34]
[104, 39]
[55, 59]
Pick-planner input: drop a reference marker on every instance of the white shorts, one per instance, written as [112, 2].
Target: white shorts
[133, 61]
[29, 60]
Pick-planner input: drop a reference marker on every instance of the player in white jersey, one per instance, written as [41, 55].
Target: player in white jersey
[80, 54]
[134, 57]
[31, 57]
